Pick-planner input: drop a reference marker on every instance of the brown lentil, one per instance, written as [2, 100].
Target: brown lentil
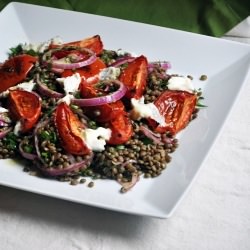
[91, 184]
[203, 77]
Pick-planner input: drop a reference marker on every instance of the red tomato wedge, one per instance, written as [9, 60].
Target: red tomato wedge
[26, 107]
[121, 130]
[15, 70]
[94, 43]
[134, 76]
[87, 71]
[177, 108]
[70, 130]
[100, 113]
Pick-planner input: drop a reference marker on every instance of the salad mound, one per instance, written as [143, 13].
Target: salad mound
[75, 110]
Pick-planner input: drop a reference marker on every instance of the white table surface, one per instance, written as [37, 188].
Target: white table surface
[214, 215]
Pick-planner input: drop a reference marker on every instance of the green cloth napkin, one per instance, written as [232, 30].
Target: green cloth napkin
[209, 17]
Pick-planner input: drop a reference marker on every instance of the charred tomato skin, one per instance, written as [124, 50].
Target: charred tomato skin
[15, 70]
[177, 107]
[70, 130]
[26, 107]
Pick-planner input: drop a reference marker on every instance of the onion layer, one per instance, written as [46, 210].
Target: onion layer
[25, 154]
[122, 60]
[72, 167]
[62, 64]
[96, 101]
[156, 138]
[45, 91]
[43, 166]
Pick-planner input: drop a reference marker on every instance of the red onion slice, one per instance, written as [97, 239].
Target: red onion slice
[122, 60]
[45, 91]
[43, 166]
[72, 167]
[41, 124]
[156, 138]
[25, 154]
[60, 64]
[126, 186]
[96, 101]
[4, 124]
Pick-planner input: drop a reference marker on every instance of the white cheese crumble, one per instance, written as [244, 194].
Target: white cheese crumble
[96, 139]
[3, 110]
[70, 83]
[17, 128]
[28, 86]
[41, 47]
[180, 83]
[110, 73]
[149, 110]
[67, 99]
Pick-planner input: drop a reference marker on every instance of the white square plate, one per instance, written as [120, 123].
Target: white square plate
[226, 64]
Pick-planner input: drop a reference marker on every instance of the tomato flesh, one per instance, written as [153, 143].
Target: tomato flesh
[177, 108]
[121, 129]
[104, 112]
[70, 130]
[134, 76]
[26, 107]
[15, 70]
[87, 71]
[94, 43]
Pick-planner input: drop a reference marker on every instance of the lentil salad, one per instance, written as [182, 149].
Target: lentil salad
[118, 94]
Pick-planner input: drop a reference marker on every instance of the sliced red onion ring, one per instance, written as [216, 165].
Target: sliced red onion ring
[167, 140]
[45, 91]
[4, 132]
[4, 124]
[41, 124]
[43, 166]
[96, 101]
[122, 60]
[126, 186]
[60, 64]
[156, 138]
[56, 70]
[72, 167]
[25, 154]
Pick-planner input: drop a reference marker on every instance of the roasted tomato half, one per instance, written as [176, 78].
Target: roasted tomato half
[121, 129]
[70, 130]
[104, 112]
[134, 76]
[94, 43]
[15, 70]
[26, 107]
[87, 71]
[177, 108]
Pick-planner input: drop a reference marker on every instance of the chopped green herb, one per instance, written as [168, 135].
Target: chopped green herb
[45, 155]
[92, 124]
[16, 50]
[45, 135]
[11, 141]
[120, 147]
[147, 141]
[200, 105]
[28, 148]
[50, 136]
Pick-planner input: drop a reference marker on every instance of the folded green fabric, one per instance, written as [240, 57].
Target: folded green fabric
[209, 17]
